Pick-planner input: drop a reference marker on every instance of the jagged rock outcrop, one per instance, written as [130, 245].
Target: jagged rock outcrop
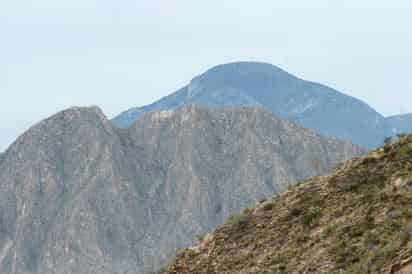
[354, 220]
[80, 196]
[312, 105]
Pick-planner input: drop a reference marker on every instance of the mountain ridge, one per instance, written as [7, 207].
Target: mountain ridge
[78, 195]
[310, 104]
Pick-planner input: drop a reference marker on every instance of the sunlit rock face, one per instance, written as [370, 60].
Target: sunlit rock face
[80, 196]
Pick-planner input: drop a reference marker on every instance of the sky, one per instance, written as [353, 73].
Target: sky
[127, 53]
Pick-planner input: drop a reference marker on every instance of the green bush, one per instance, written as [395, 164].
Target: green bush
[312, 216]
[237, 219]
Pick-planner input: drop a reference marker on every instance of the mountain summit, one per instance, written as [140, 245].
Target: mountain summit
[311, 105]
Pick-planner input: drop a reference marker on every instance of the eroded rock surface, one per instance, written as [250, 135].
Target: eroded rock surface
[80, 196]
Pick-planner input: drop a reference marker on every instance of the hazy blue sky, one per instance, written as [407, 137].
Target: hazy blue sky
[119, 54]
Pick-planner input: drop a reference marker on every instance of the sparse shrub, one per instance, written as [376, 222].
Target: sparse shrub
[387, 144]
[247, 211]
[387, 141]
[367, 184]
[404, 151]
[362, 227]
[385, 254]
[331, 229]
[392, 226]
[237, 219]
[312, 216]
[351, 187]
[295, 212]
[406, 212]
[402, 136]
[303, 238]
[268, 206]
[343, 253]
[369, 160]
[199, 238]
[371, 239]
[404, 237]
[161, 271]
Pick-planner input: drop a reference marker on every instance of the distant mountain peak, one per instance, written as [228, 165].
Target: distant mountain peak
[311, 105]
[245, 67]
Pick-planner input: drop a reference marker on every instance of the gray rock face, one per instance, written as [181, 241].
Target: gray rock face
[80, 196]
[312, 105]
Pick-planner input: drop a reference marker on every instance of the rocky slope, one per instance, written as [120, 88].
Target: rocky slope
[80, 196]
[357, 220]
[312, 105]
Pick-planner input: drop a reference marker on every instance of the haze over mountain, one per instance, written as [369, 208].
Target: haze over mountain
[80, 196]
[400, 123]
[312, 105]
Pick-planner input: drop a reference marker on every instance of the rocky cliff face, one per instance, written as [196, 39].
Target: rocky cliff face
[354, 220]
[312, 105]
[80, 196]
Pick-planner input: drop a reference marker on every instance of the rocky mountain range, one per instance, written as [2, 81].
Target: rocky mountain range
[356, 220]
[80, 196]
[312, 105]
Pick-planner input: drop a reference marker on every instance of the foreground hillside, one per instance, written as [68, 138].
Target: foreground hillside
[79, 196]
[311, 105]
[356, 220]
